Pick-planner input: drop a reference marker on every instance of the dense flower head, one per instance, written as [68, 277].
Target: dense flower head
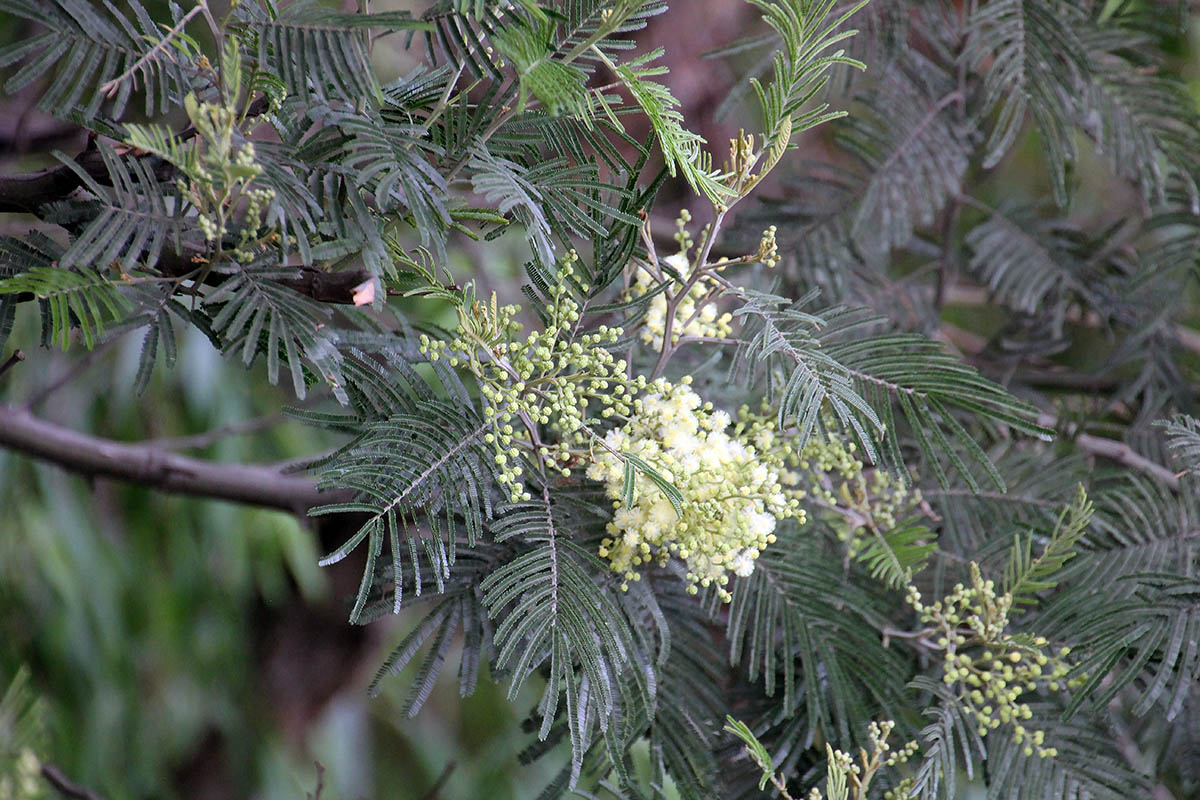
[553, 377]
[693, 316]
[732, 497]
[992, 667]
[827, 475]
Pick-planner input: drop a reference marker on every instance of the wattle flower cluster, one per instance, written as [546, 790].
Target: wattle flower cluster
[693, 317]
[551, 377]
[992, 667]
[827, 475]
[732, 497]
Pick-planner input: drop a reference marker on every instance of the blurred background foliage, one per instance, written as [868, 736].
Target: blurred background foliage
[217, 662]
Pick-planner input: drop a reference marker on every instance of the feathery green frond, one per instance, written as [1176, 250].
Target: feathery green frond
[1087, 764]
[556, 83]
[950, 743]
[389, 161]
[800, 70]
[505, 184]
[136, 220]
[1183, 437]
[837, 358]
[1032, 58]
[894, 556]
[415, 475]
[1026, 576]
[317, 53]
[795, 621]
[551, 612]
[83, 298]
[84, 47]
[682, 149]
[456, 615]
[1144, 124]
[1148, 641]
[252, 313]
[1025, 261]
[913, 153]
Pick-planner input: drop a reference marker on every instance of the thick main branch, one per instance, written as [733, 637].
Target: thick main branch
[154, 467]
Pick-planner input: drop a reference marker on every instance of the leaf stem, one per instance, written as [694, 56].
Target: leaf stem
[110, 88]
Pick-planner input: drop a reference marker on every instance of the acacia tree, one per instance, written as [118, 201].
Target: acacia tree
[766, 492]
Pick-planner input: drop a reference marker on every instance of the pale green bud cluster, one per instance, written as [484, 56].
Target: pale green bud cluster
[902, 790]
[768, 248]
[872, 501]
[853, 777]
[548, 378]
[879, 732]
[732, 498]
[219, 183]
[992, 668]
[695, 315]
[681, 235]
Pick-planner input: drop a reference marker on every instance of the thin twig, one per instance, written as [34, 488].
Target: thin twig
[202, 440]
[699, 270]
[71, 374]
[1188, 338]
[16, 357]
[440, 782]
[316, 794]
[946, 261]
[503, 97]
[65, 786]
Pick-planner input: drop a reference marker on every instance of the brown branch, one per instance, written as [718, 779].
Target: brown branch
[153, 467]
[322, 286]
[27, 193]
[65, 786]
[1123, 454]
[1116, 451]
[1188, 338]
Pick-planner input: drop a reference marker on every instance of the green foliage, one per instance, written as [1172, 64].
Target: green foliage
[937, 310]
[829, 358]
[552, 612]
[22, 735]
[82, 300]
[1183, 434]
[799, 71]
[754, 747]
[91, 55]
[1033, 56]
[894, 556]
[796, 602]
[135, 220]
[402, 467]
[317, 54]
[1024, 575]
